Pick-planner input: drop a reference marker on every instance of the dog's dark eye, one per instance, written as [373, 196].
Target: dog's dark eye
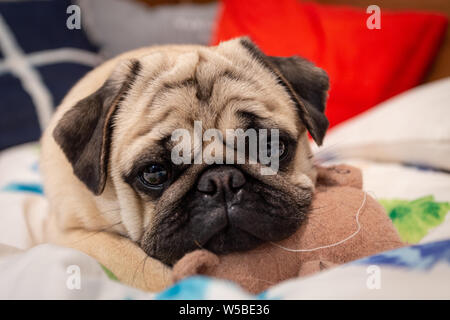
[281, 150]
[154, 175]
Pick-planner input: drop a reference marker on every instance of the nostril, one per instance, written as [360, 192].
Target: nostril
[221, 179]
[237, 180]
[207, 186]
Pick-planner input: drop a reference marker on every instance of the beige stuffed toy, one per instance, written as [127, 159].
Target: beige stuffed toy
[344, 224]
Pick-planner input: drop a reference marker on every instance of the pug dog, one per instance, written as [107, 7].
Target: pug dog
[116, 194]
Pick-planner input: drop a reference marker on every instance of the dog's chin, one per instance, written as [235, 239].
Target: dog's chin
[219, 237]
[230, 240]
[258, 217]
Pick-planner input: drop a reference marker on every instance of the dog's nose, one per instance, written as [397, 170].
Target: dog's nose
[221, 179]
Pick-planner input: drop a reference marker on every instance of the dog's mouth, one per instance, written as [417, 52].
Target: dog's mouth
[231, 239]
[224, 232]
[226, 219]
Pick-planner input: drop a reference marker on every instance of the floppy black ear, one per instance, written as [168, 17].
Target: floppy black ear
[306, 83]
[84, 132]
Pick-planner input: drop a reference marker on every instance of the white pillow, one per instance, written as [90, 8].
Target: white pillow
[413, 128]
[117, 26]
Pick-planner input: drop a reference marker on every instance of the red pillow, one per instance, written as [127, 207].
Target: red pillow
[365, 66]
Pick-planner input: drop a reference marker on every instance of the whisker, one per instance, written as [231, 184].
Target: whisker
[143, 270]
[198, 244]
[93, 233]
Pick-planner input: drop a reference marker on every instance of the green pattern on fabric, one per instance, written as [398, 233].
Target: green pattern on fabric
[109, 273]
[414, 219]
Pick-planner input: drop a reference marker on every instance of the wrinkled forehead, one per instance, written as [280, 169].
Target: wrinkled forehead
[221, 88]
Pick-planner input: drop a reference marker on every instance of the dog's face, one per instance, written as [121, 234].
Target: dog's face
[120, 143]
